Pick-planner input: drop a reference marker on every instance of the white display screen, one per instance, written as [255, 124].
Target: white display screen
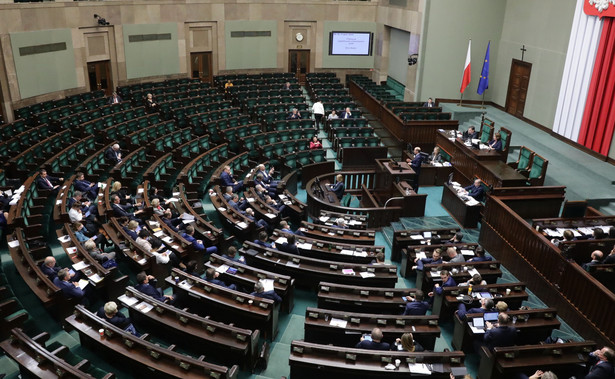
[350, 43]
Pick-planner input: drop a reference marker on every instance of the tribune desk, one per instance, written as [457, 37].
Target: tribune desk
[466, 215]
[485, 164]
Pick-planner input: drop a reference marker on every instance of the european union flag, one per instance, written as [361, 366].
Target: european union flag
[483, 83]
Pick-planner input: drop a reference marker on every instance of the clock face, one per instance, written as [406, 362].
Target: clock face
[299, 37]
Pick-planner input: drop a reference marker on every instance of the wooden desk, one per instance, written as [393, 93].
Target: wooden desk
[413, 237]
[533, 326]
[309, 360]
[409, 254]
[466, 215]
[318, 328]
[426, 278]
[450, 140]
[363, 299]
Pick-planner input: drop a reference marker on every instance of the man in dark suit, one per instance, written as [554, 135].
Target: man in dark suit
[147, 285]
[227, 180]
[113, 154]
[109, 313]
[471, 133]
[338, 188]
[238, 205]
[501, 335]
[374, 342]
[596, 259]
[88, 188]
[602, 364]
[260, 223]
[211, 275]
[46, 182]
[231, 254]
[115, 99]
[476, 190]
[485, 306]
[50, 269]
[415, 164]
[70, 290]
[290, 246]
[416, 307]
[436, 257]
[120, 210]
[259, 291]
[479, 255]
[262, 240]
[197, 244]
[429, 103]
[294, 115]
[346, 114]
[610, 259]
[447, 281]
[267, 175]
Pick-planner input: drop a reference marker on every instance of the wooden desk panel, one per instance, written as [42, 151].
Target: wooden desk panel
[465, 215]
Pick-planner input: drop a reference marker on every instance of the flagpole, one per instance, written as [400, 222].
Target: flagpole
[460, 100]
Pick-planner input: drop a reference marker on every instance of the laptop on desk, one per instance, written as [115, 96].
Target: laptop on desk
[490, 316]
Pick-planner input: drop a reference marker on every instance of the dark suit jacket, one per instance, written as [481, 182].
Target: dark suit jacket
[291, 249]
[338, 189]
[68, 289]
[497, 146]
[119, 100]
[265, 244]
[449, 283]
[371, 345]
[461, 311]
[416, 163]
[150, 290]
[50, 272]
[346, 115]
[602, 370]
[42, 184]
[271, 295]
[193, 241]
[111, 156]
[500, 336]
[131, 233]
[226, 179]
[416, 308]
[118, 319]
[119, 211]
[476, 192]
[610, 259]
[427, 105]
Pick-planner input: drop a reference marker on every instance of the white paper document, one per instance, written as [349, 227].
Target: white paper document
[80, 265]
[338, 322]
[267, 283]
[128, 300]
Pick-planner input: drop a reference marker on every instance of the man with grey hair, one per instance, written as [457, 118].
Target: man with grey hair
[259, 291]
[109, 313]
[294, 115]
[113, 154]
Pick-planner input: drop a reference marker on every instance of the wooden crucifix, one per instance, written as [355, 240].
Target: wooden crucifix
[523, 50]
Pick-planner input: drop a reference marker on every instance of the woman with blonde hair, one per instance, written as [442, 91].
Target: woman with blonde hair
[407, 343]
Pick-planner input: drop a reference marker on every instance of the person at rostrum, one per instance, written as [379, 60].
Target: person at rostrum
[415, 164]
[338, 188]
[374, 342]
[475, 190]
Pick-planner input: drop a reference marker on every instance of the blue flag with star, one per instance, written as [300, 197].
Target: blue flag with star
[483, 83]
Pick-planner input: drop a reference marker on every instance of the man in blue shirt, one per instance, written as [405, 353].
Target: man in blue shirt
[198, 244]
[144, 286]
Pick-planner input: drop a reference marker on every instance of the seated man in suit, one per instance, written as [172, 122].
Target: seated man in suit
[231, 254]
[262, 240]
[429, 103]
[89, 189]
[454, 256]
[109, 313]
[114, 99]
[596, 256]
[602, 363]
[267, 176]
[198, 244]
[338, 188]
[86, 206]
[373, 341]
[447, 281]
[260, 223]
[479, 255]
[237, 204]
[228, 193]
[70, 290]
[46, 182]
[417, 306]
[496, 142]
[120, 210]
[470, 134]
[290, 246]
[436, 257]
[500, 335]
[284, 227]
[50, 269]
[113, 154]
[174, 223]
[211, 275]
[277, 205]
[347, 113]
[610, 259]
[147, 285]
[294, 115]
[259, 291]
[475, 190]
[228, 181]
[486, 305]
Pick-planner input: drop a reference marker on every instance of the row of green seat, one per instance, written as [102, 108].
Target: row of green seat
[252, 143]
[114, 119]
[342, 142]
[277, 149]
[366, 131]
[411, 109]
[233, 135]
[24, 140]
[357, 122]
[291, 124]
[29, 160]
[188, 107]
[125, 91]
[122, 129]
[202, 124]
[246, 92]
[195, 175]
[55, 114]
[200, 120]
[251, 104]
[380, 92]
[28, 112]
[189, 89]
[8, 131]
[63, 163]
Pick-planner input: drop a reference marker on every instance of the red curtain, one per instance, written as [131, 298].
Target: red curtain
[599, 116]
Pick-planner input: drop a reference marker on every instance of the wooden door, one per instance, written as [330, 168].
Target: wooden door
[299, 64]
[99, 74]
[518, 83]
[200, 65]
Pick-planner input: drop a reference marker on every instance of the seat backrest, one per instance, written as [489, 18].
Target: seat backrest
[537, 166]
[525, 158]
[486, 133]
[505, 137]
[345, 202]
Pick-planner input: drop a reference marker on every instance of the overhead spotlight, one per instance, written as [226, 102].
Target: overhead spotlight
[101, 21]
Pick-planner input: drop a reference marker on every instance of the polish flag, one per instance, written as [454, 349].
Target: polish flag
[466, 70]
